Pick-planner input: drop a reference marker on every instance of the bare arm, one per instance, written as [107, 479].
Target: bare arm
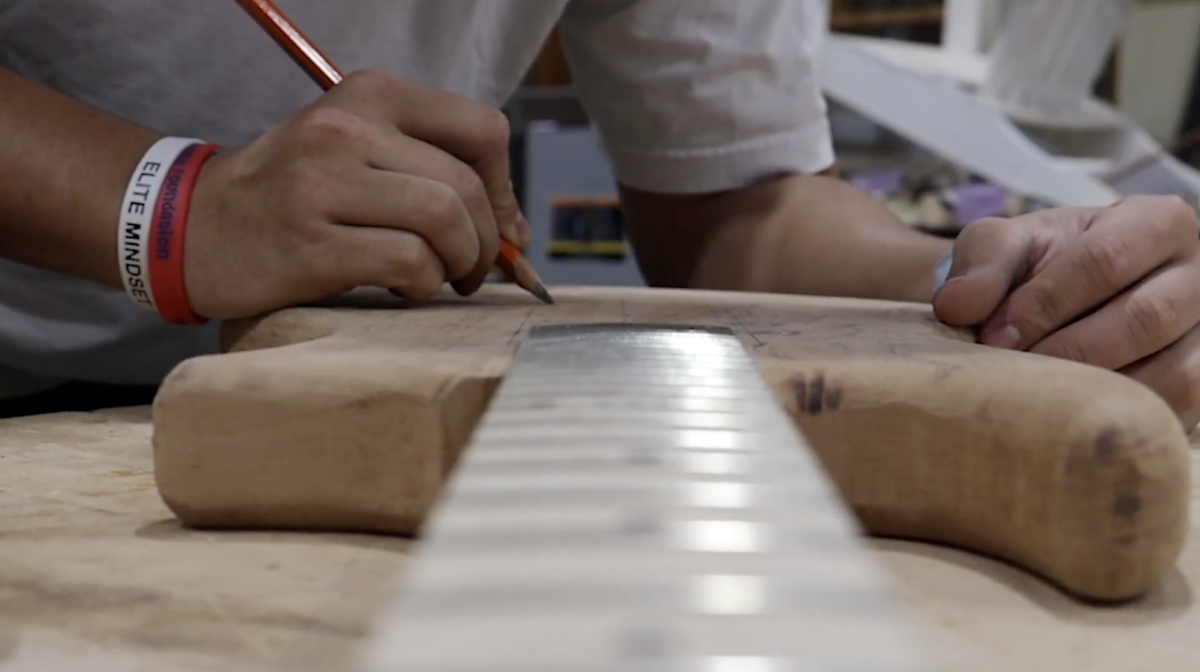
[63, 179]
[799, 235]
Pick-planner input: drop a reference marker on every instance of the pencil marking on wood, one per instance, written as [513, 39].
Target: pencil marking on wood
[519, 332]
[1127, 505]
[815, 396]
[1106, 445]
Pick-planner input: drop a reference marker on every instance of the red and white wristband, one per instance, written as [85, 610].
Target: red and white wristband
[153, 225]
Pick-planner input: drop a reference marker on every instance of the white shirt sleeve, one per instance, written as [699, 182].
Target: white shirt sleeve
[698, 96]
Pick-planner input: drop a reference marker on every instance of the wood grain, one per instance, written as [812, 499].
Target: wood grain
[350, 417]
[96, 575]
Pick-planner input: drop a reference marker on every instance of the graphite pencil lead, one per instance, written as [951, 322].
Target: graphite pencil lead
[541, 293]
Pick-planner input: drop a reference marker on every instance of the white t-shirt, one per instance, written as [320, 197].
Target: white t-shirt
[687, 95]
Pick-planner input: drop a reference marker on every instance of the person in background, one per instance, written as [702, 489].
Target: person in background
[710, 112]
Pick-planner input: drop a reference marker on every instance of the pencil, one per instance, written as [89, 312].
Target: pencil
[321, 69]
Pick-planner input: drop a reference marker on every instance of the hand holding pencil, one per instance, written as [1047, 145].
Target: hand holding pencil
[491, 169]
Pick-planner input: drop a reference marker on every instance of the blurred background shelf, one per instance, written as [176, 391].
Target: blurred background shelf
[856, 15]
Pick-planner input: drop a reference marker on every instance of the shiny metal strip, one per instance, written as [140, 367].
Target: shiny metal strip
[504, 437]
[708, 664]
[634, 500]
[613, 403]
[594, 458]
[602, 418]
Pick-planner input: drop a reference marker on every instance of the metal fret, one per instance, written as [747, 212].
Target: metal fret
[634, 500]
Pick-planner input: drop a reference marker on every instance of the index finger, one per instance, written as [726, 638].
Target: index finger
[1120, 246]
[485, 149]
[472, 132]
[478, 136]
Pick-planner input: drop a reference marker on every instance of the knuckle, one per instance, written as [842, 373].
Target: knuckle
[467, 183]
[1036, 308]
[448, 228]
[493, 130]
[985, 237]
[985, 225]
[424, 288]
[442, 206]
[410, 262]
[1176, 210]
[1104, 261]
[370, 80]
[421, 275]
[1164, 215]
[332, 125]
[1180, 218]
[1150, 319]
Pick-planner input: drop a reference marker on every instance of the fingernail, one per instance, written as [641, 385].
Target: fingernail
[1006, 337]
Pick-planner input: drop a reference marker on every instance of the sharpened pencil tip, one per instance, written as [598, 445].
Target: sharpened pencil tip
[541, 293]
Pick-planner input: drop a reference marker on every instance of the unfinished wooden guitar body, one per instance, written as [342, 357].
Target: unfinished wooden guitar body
[350, 418]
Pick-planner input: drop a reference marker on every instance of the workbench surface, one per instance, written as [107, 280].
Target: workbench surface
[96, 575]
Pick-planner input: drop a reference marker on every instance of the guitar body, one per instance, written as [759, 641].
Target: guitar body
[350, 416]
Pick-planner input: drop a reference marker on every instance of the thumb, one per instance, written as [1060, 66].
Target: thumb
[512, 223]
[990, 257]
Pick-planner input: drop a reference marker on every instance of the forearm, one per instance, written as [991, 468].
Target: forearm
[799, 235]
[61, 186]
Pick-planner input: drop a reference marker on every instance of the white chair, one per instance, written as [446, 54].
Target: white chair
[1021, 113]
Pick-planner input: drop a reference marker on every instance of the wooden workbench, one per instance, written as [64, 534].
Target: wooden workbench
[96, 576]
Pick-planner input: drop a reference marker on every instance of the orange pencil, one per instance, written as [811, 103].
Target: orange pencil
[322, 70]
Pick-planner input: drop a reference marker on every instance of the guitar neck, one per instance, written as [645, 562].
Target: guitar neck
[635, 499]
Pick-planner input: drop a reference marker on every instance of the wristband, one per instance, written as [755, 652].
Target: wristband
[137, 210]
[941, 272]
[168, 229]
